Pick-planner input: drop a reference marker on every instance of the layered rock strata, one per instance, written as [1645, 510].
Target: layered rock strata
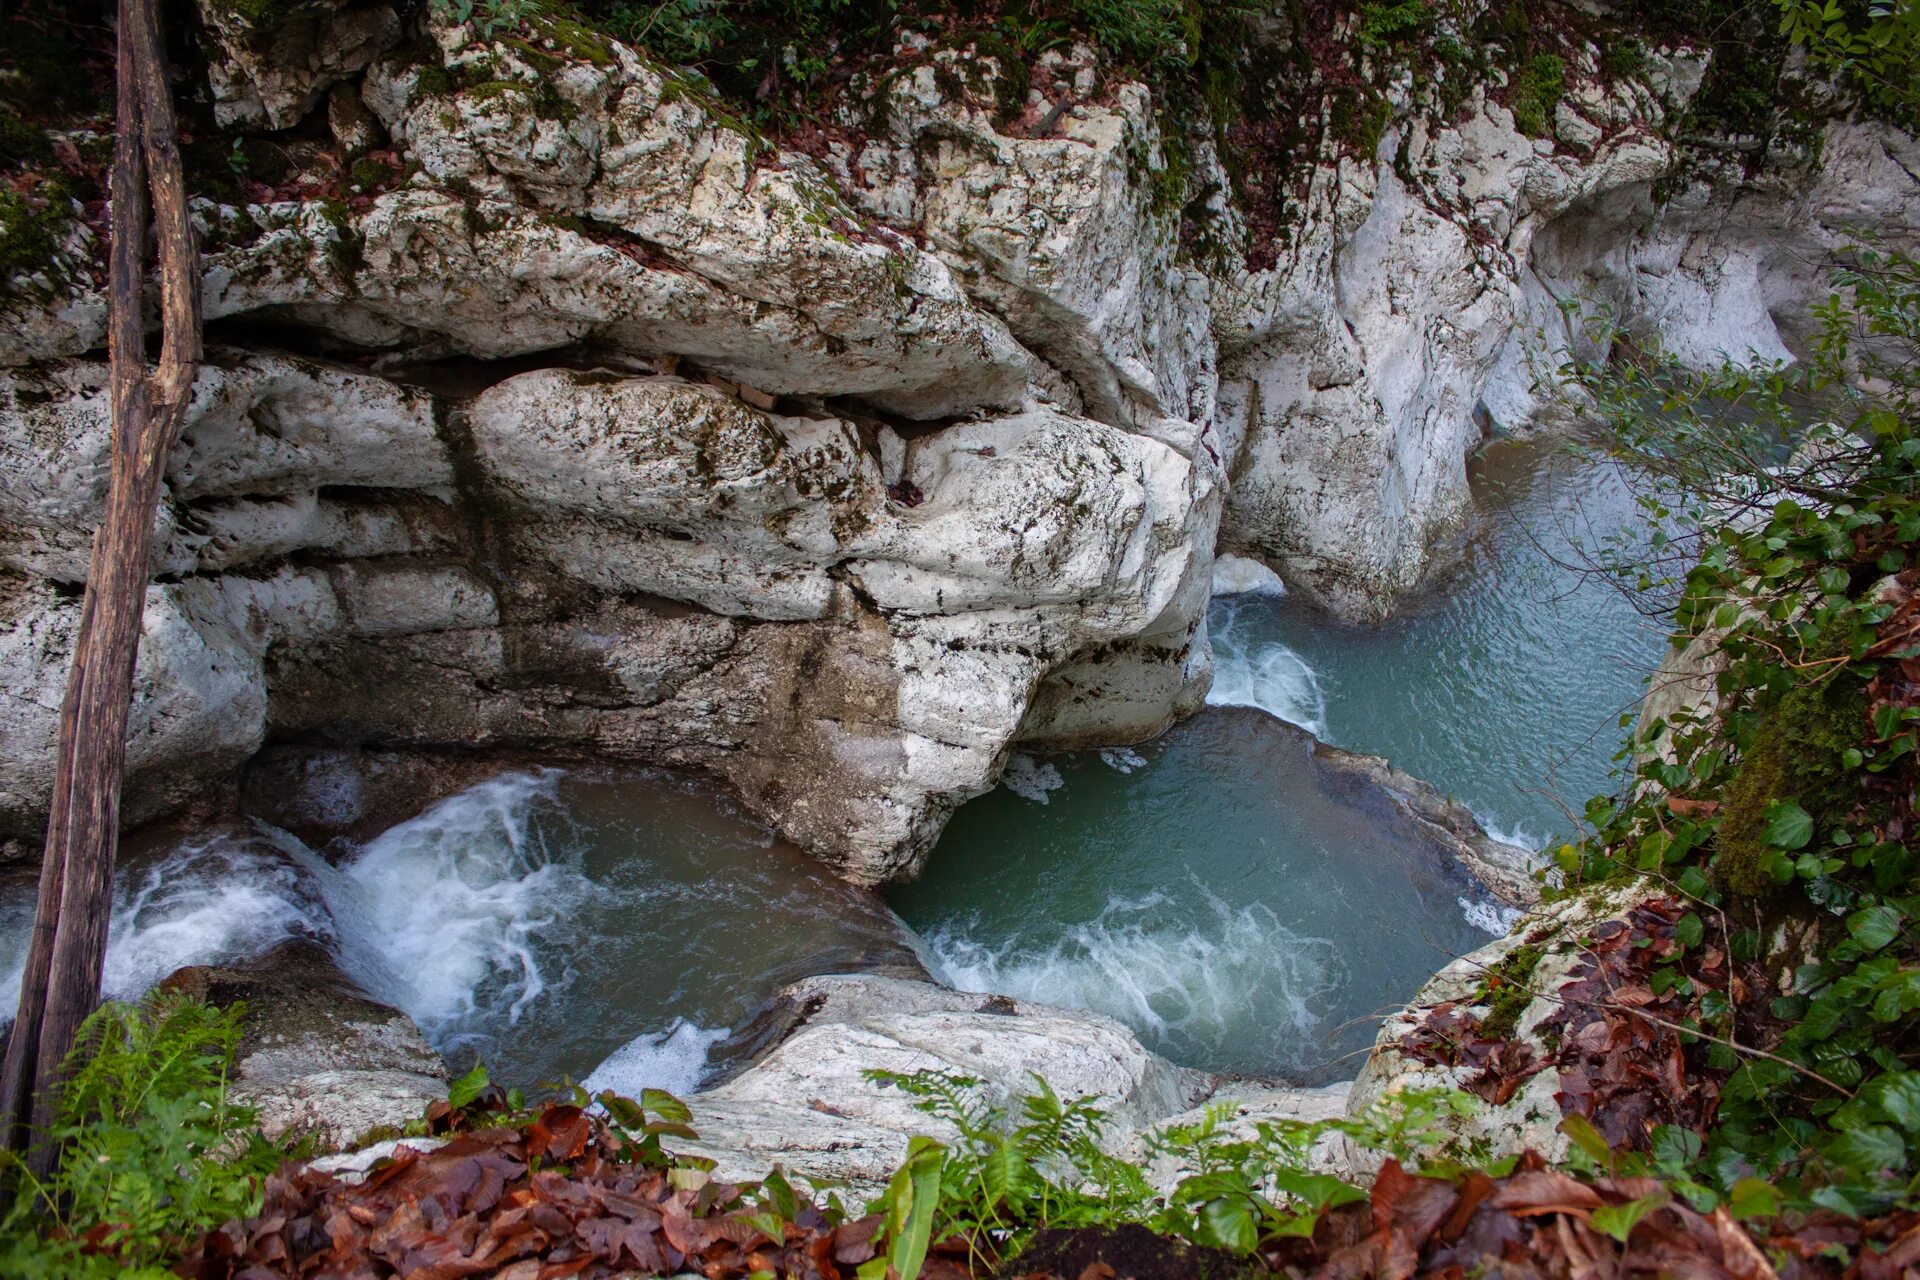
[597, 423]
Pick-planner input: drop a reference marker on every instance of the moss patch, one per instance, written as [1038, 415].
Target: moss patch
[28, 236]
[1506, 991]
[1794, 751]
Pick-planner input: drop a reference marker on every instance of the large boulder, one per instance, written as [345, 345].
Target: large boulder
[809, 1107]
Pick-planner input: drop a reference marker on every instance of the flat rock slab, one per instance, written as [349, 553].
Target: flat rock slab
[318, 1056]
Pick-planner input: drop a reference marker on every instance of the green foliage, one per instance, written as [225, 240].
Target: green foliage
[1537, 89]
[26, 236]
[1012, 1172]
[1389, 22]
[1796, 546]
[490, 17]
[153, 1151]
[1874, 47]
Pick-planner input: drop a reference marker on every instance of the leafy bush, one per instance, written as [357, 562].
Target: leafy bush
[154, 1152]
[1793, 808]
[1537, 89]
[1386, 22]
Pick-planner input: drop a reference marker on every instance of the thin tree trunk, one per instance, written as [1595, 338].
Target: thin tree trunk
[61, 985]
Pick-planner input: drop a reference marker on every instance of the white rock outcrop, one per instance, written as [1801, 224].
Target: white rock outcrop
[834, 473]
[1530, 1119]
[809, 1106]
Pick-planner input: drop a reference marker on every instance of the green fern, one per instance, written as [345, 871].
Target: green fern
[153, 1151]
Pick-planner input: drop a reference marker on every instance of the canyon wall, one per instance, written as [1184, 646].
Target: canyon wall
[590, 420]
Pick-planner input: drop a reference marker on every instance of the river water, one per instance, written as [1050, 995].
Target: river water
[547, 923]
[1240, 905]
[1213, 892]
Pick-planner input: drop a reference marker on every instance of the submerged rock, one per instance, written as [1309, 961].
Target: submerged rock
[1505, 870]
[317, 1057]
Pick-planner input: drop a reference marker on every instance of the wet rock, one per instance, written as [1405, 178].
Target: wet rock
[317, 1056]
[1505, 870]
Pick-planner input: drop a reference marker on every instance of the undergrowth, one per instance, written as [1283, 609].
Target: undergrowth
[1785, 815]
[154, 1151]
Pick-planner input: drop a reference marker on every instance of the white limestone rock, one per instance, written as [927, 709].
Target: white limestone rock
[272, 63]
[672, 488]
[199, 703]
[263, 434]
[1062, 231]
[808, 1106]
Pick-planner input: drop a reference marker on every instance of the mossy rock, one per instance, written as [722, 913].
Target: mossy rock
[1795, 751]
[29, 237]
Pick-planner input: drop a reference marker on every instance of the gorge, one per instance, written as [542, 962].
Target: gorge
[666, 602]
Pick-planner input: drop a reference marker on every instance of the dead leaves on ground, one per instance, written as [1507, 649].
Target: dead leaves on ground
[555, 1197]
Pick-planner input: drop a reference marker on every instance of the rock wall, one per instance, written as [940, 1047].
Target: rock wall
[595, 422]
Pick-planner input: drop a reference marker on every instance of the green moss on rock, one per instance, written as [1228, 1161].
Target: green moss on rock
[1507, 991]
[28, 236]
[1795, 751]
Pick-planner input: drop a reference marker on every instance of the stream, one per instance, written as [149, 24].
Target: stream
[1220, 890]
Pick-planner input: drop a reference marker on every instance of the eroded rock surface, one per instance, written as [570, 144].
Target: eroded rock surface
[808, 1106]
[317, 1057]
[834, 470]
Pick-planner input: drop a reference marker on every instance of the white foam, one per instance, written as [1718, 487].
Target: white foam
[220, 899]
[1252, 672]
[1122, 759]
[1031, 779]
[1488, 916]
[1209, 981]
[674, 1059]
[1240, 575]
[446, 914]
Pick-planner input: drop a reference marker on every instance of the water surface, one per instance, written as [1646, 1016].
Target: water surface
[1504, 686]
[1208, 890]
[1238, 904]
[546, 922]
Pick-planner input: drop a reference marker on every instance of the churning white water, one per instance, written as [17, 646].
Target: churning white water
[222, 897]
[1173, 977]
[675, 1060]
[456, 915]
[1251, 669]
[549, 923]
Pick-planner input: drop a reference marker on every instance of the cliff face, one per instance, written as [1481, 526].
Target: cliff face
[593, 421]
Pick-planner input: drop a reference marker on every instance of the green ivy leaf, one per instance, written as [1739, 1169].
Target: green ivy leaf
[1788, 825]
[666, 1106]
[468, 1087]
[1753, 1198]
[1869, 1149]
[1619, 1220]
[1228, 1223]
[1895, 1097]
[1874, 927]
[1689, 930]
